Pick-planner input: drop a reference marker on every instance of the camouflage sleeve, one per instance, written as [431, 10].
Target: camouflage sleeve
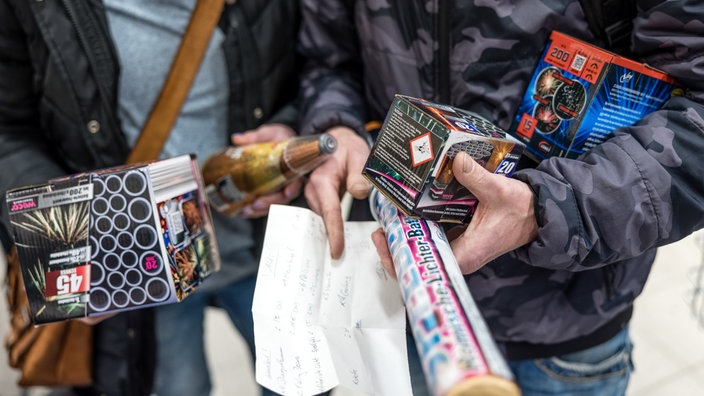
[644, 187]
[331, 92]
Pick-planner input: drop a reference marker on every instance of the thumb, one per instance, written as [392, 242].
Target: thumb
[473, 176]
[358, 186]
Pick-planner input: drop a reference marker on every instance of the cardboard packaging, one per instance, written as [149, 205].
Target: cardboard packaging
[113, 239]
[580, 93]
[411, 161]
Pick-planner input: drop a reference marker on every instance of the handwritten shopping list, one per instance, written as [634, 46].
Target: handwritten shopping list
[320, 323]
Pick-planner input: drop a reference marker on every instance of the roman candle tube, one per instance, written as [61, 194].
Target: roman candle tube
[458, 353]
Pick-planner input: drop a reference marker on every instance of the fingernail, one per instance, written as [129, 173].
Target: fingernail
[360, 187]
[246, 212]
[258, 205]
[235, 136]
[466, 163]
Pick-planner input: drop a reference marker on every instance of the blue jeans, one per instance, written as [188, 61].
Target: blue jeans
[182, 368]
[602, 370]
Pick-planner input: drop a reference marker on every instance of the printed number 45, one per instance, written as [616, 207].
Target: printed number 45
[68, 284]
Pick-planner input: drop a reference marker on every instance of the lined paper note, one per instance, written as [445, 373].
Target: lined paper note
[320, 323]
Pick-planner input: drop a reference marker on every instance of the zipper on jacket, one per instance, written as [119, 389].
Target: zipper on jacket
[442, 77]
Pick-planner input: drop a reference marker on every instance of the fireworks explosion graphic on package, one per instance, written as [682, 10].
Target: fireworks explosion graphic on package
[114, 239]
[579, 94]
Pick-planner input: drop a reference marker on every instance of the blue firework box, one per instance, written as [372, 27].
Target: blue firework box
[113, 239]
[580, 93]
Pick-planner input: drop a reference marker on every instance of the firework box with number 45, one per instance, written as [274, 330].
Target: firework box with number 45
[580, 93]
[114, 239]
[411, 161]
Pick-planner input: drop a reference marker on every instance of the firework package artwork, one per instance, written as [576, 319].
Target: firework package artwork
[458, 353]
[411, 161]
[580, 93]
[114, 239]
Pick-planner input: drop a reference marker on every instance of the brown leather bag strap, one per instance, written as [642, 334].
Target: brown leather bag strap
[178, 83]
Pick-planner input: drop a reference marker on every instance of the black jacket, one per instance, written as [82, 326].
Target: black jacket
[58, 115]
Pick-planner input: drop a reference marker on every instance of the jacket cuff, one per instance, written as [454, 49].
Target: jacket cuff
[332, 118]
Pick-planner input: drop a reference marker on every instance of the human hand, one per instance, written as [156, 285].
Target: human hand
[382, 249]
[503, 221]
[328, 182]
[268, 133]
[94, 320]
[264, 133]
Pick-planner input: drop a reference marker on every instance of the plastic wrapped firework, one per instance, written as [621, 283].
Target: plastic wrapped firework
[458, 353]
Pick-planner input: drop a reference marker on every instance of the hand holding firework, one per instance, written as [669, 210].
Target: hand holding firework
[458, 354]
[504, 219]
[236, 176]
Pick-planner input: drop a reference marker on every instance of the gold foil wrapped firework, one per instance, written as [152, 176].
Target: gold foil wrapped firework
[236, 176]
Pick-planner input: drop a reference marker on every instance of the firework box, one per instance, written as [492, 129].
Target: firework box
[114, 239]
[411, 161]
[579, 94]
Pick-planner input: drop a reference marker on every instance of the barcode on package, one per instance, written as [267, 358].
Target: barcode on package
[578, 62]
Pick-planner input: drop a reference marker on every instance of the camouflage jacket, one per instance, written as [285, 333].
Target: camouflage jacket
[602, 216]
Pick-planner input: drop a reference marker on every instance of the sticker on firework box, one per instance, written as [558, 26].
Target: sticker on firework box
[411, 161]
[113, 239]
[580, 93]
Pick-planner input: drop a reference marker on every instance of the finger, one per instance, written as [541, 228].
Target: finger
[382, 249]
[311, 195]
[249, 213]
[470, 174]
[293, 189]
[276, 198]
[260, 207]
[263, 202]
[351, 154]
[358, 186]
[332, 217]
[93, 320]
[323, 197]
[245, 138]
[265, 133]
[319, 180]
